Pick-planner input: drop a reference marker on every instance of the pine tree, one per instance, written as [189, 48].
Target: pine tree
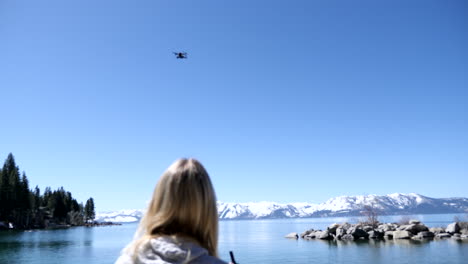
[37, 199]
[89, 210]
[24, 203]
[8, 194]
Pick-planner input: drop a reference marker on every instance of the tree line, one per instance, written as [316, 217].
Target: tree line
[23, 208]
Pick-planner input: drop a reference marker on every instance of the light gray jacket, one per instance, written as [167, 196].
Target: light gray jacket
[168, 250]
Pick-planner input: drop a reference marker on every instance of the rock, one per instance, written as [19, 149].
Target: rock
[340, 232]
[347, 237]
[332, 228]
[414, 222]
[305, 233]
[292, 235]
[346, 226]
[443, 235]
[389, 234]
[324, 235]
[425, 234]
[375, 234]
[464, 236]
[456, 236]
[387, 227]
[367, 228]
[402, 234]
[311, 235]
[359, 233]
[416, 228]
[437, 230]
[453, 228]
[402, 227]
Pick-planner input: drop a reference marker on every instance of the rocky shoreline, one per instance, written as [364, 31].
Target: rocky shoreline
[414, 229]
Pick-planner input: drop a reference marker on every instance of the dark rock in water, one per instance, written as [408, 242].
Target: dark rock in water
[375, 234]
[389, 234]
[359, 233]
[453, 228]
[332, 228]
[456, 236]
[402, 234]
[416, 228]
[367, 228]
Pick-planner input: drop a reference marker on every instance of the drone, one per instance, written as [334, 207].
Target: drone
[180, 55]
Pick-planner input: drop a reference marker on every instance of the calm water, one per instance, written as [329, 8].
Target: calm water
[253, 241]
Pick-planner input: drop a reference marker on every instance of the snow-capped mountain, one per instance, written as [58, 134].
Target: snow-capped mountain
[339, 206]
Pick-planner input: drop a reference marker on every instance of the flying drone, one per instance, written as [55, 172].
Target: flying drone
[180, 55]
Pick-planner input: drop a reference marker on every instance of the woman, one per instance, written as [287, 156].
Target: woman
[181, 222]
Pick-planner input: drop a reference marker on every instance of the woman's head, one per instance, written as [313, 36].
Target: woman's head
[184, 203]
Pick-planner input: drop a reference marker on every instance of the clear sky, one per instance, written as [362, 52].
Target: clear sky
[281, 100]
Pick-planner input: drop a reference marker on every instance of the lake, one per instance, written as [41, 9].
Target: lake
[253, 241]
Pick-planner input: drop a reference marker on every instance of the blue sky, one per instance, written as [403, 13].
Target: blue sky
[281, 100]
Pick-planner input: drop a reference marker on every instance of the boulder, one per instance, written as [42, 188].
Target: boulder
[324, 235]
[416, 228]
[346, 226]
[375, 234]
[437, 230]
[292, 235]
[464, 236]
[311, 235]
[332, 228]
[305, 233]
[386, 227]
[389, 234]
[425, 234]
[402, 227]
[402, 234]
[367, 228]
[443, 235]
[453, 228]
[340, 232]
[456, 236]
[414, 222]
[347, 237]
[358, 233]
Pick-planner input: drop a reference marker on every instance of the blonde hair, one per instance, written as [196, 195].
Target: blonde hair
[183, 204]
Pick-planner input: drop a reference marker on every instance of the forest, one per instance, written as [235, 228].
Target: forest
[25, 208]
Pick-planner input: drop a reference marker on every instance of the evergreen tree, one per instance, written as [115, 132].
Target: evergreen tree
[37, 199]
[89, 210]
[8, 195]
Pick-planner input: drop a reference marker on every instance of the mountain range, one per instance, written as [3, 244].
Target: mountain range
[391, 204]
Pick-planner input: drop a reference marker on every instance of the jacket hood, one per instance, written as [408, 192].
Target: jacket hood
[170, 250]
